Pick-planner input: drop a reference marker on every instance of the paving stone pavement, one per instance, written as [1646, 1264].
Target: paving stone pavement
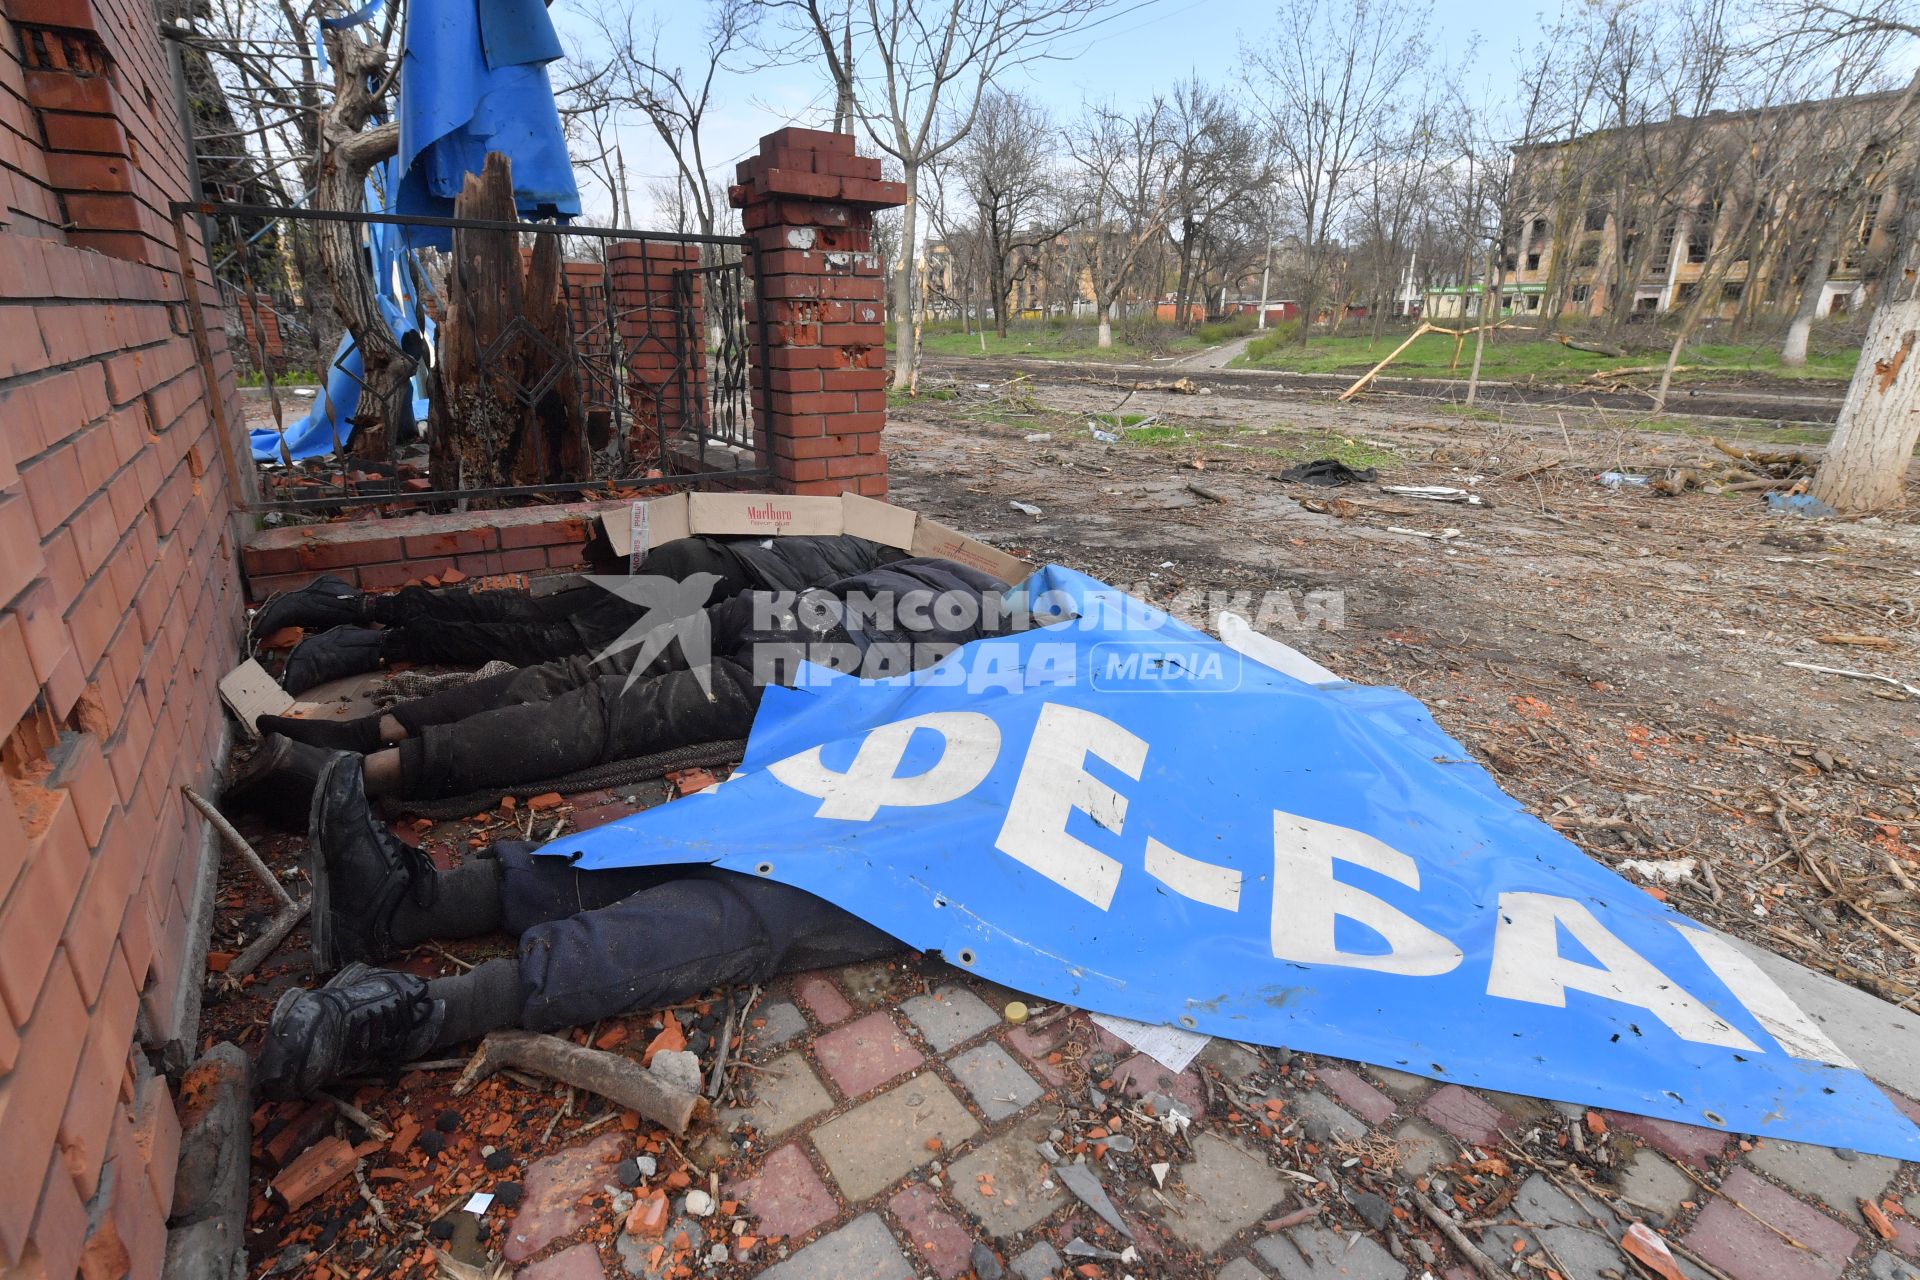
[895, 1122]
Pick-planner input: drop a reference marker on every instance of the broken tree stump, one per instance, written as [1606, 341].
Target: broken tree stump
[506, 406]
[618, 1079]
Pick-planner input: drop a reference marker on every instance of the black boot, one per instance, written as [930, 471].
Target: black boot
[279, 780]
[321, 605]
[364, 1020]
[343, 651]
[361, 871]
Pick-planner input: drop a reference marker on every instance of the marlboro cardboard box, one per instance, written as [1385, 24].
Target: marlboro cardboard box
[636, 530]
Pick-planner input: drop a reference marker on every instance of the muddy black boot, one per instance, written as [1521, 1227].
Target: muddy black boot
[343, 651]
[278, 782]
[362, 873]
[321, 605]
[363, 1021]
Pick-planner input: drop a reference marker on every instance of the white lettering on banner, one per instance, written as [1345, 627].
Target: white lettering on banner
[870, 782]
[1206, 882]
[1053, 783]
[1773, 1008]
[1307, 901]
[1527, 965]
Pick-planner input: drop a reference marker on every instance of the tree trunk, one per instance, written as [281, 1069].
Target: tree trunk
[349, 150]
[905, 354]
[487, 429]
[1106, 322]
[1865, 468]
[1793, 353]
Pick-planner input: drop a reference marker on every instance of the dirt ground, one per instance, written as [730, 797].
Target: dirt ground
[1617, 657]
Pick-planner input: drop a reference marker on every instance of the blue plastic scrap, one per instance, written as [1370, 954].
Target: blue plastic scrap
[1121, 813]
[1799, 504]
[474, 79]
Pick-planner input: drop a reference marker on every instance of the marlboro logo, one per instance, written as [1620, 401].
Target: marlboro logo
[770, 514]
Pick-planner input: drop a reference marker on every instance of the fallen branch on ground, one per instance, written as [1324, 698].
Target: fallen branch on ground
[619, 1080]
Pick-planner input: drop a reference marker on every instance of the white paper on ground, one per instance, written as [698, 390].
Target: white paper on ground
[1171, 1047]
[480, 1203]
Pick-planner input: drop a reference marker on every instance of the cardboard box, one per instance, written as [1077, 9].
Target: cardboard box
[635, 531]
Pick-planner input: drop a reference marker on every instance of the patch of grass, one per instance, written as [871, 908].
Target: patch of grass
[1474, 412]
[286, 377]
[1510, 356]
[898, 398]
[1159, 434]
[1357, 454]
[1058, 340]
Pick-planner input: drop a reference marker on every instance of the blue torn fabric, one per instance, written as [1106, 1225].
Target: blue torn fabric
[328, 421]
[474, 79]
[1121, 813]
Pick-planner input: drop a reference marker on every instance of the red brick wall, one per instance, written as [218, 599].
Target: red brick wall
[664, 343]
[807, 200]
[118, 613]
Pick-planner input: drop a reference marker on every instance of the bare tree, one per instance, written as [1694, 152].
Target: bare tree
[676, 99]
[1002, 169]
[1124, 164]
[1866, 463]
[1220, 158]
[917, 70]
[1325, 76]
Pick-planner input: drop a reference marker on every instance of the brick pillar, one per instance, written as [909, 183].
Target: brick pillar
[808, 201]
[659, 331]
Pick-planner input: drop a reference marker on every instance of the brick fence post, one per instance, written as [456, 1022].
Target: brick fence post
[808, 202]
[662, 332]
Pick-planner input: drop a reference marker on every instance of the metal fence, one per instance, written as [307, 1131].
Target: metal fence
[629, 362]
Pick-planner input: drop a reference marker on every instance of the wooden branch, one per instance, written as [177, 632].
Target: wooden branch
[1598, 348]
[1458, 1239]
[618, 1079]
[263, 946]
[238, 843]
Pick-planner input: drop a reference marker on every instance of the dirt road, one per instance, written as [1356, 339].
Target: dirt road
[1761, 400]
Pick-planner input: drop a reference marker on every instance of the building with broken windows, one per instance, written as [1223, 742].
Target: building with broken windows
[1752, 208]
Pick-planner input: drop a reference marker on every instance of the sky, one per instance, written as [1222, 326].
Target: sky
[1139, 49]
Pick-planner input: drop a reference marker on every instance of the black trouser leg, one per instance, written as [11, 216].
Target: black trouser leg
[600, 721]
[512, 688]
[670, 933]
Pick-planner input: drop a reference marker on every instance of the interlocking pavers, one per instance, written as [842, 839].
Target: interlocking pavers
[1651, 1179]
[1315, 1106]
[1422, 1149]
[1040, 1262]
[935, 1237]
[866, 1053]
[1746, 1244]
[949, 1015]
[786, 1095]
[1840, 1179]
[779, 1022]
[862, 1250]
[884, 1139]
[581, 1262]
[997, 1084]
[1574, 1232]
[1317, 1253]
[1355, 1094]
[1465, 1116]
[1019, 1189]
[786, 1198]
[1228, 1190]
[1688, 1143]
[550, 1203]
[822, 998]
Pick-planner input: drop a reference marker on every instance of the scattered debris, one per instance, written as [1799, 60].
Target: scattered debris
[1024, 508]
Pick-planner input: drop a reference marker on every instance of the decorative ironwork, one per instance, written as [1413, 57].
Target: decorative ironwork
[656, 357]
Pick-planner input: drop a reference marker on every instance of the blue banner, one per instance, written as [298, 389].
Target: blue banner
[1122, 813]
